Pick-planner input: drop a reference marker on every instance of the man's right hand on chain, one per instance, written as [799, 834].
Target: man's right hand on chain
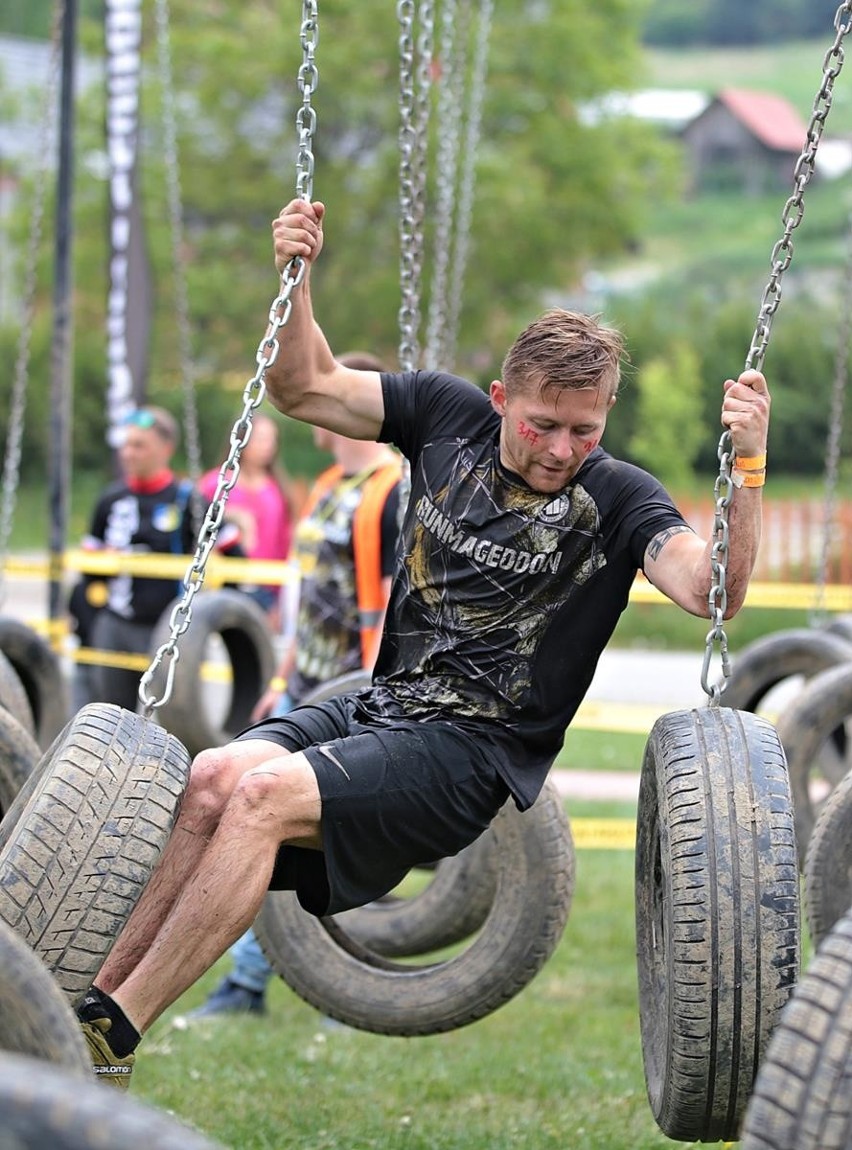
[297, 232]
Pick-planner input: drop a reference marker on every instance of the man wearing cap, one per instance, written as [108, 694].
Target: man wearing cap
[147, 510]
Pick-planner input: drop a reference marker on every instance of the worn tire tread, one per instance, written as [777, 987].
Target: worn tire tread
[79, 844]
[716, 914]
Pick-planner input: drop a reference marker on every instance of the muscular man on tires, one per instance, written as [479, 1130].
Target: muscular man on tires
[520, 544]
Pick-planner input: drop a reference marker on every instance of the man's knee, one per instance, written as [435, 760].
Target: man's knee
[207, 789]
[282, 795]
[214, 775]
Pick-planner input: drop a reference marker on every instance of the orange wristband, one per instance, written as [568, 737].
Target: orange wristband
[754, 479]
[748, 478]
[750, 463]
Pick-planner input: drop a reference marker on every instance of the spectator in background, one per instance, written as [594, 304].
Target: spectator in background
[259, 504]
[147, 510]
[345, 546]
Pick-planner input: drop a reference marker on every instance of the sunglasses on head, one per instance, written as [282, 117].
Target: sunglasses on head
[140, 418]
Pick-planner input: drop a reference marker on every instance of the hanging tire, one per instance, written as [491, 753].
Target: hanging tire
[13, 697]
[81, 840]
[807, 724]
[828, 863]
[45, 1108]
[717, 914]
[801, 1098]
[453, 905]
[35, 1018]
[19, 756]
[244, 631]
[450, 908]
[346, 684]
[768, 661]
[840, 625]
[327, 968]
[40, 673]
[771, 660]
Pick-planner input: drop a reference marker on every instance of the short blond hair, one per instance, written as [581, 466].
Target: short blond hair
[564, 350]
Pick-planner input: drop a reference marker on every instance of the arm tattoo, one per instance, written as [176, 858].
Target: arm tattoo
[661, 539]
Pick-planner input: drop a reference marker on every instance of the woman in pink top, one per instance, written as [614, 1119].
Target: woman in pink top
[259, 504]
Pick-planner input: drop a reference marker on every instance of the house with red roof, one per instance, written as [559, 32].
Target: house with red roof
[744, 140]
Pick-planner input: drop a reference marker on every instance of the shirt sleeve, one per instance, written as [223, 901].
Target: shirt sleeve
[422, 406]
[645, 509]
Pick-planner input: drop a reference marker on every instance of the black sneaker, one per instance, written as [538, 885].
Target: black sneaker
[230, 998]
[108, 1067]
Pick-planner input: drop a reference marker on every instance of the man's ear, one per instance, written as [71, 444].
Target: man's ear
[611, 403]
[497, 392]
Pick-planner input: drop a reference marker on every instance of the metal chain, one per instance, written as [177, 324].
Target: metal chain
[414, 87]
[306, 120]
[835, 428]
[255, 390]
[422, 109]
[175, 202]
[450, 101]
[413, 139]
[18, 400]
[781, 257]
[468, 177]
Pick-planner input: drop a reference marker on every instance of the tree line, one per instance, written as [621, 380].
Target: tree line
[555, 195]
[731, 23]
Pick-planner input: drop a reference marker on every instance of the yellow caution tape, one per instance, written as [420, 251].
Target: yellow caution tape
[604, 834]
[220, 569]
[625, 718]
[793, 596]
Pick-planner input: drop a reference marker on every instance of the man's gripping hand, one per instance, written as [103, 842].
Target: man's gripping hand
[297, 231]
[745, 413]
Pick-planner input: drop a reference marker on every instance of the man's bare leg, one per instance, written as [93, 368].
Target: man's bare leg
[208, 791]
[275, 802]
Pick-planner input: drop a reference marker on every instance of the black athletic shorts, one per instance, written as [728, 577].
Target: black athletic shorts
[394, 796]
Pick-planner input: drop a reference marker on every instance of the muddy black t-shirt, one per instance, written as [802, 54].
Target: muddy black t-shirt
[503, 598]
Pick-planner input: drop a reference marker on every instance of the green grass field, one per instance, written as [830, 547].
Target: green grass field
[558, 1067]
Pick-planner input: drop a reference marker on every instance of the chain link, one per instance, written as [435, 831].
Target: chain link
[168, 655]
[414, 94]
[15, 433]
[414, 86]
[781, 257]
[454, 32]
[306, 120]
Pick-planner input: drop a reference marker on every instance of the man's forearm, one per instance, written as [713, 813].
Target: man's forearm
[744, 528]
[303, 353]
